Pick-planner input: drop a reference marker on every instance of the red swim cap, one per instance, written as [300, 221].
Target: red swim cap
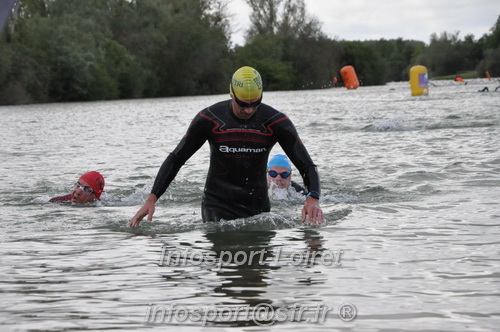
[95, 181]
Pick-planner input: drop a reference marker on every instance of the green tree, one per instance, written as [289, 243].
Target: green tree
[287, 18]
[315, 61]
[71, 50]
[491, 52]
[443, 57]
[492, 41]
[265, 53]
[287, 46]
[68, 50]
[396, 56]
[370, 67]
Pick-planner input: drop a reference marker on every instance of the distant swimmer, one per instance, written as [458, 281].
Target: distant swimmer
[241, 132]
[279, 174]
[459, 79]
[87, 189]
[497, 88]
[485, 89]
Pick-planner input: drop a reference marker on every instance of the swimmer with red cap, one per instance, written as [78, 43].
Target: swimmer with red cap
[87, 189]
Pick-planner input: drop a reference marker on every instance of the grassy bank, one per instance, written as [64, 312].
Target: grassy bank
[466, 75]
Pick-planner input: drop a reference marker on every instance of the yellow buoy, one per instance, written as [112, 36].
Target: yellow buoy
[349, 77]
[419, 81]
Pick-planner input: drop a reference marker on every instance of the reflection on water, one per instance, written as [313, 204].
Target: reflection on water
[242, 267]
[409, 191]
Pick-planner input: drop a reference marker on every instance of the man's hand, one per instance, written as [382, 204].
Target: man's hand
[147, 209]
[312, 211]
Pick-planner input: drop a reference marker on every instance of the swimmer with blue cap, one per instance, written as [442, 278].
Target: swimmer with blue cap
[279, 174]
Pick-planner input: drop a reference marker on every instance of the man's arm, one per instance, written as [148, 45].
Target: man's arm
[298, 188]
[148, 209]
[64, 198]
[190, 143]
[312, 211]
[297, 152]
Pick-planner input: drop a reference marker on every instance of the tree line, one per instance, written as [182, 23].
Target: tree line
[82, 50]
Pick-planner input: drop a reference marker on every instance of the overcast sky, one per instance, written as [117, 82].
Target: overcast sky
[389, 19]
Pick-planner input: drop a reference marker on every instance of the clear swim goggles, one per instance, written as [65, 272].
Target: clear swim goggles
[86, 189]
[283, 175]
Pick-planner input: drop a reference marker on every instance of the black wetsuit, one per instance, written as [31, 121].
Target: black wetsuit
[236, 184]
[298, 188]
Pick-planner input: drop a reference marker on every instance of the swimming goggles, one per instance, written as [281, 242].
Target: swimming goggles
[283, 175]
[243, 104]
[86, 189]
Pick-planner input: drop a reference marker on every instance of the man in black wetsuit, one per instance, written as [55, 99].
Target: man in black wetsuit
[241, 132]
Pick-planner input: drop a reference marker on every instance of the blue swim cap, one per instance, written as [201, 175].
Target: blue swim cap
[279, 160]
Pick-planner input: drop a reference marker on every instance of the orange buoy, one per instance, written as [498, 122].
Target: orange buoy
[419, 81]
[488, 75]
[349, 76]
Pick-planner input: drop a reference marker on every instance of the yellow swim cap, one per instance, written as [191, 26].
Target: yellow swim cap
[246, 84]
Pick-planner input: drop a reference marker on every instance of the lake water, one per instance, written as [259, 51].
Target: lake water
[410, 191]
